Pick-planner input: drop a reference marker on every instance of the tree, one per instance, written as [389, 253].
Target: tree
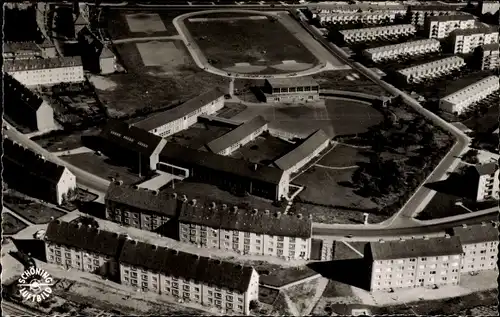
[471, 156]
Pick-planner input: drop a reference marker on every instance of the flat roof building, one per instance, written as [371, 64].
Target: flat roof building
[373, 33]
[486, 56]
[408, 48]
[419, 13]
[295, 89]
[466, 41]
[432, 69]
[439, 27]
[490, 7]
[21, 50]
[487, 178]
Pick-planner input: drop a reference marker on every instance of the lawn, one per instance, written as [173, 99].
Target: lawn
[264, 149]
[262, 42]
[301, 295]
[486, 123]
[350, 116]
[347, 80]
[343, 252]
[277, 276]
[62, 140]
[337, 289]
[343, 155]
[199, 134]
[31, 210]
[280, 307]
[102, 167]
[268, 295]
[159, 76]
[82, 197]
[11, 225]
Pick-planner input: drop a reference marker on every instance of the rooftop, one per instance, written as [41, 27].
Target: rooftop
[379, 28]
[442, 61]
[486, 169]
[180, 111]
[83, 237]
[308, 146]
[256, 221]
[405, 44]
[491, 47]
[456, 17]
[292, 82]
[476, 233]
[187, 266]
[236, 135]
[144, 199]
[182, 156]
[16, 47]
[47, 63]
[472, 88]
[432, 8]
[390, 250]
[130, 137]
[16, 94]
[477, 30]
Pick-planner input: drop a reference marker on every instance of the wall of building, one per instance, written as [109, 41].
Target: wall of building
[306, 160]
[49, 76]
[243, 141]
[65, 184]
[134, 217]
[479, 256]
[490, 60]
[108, 65]
[45, 117]
[441, 29]
[488, 187]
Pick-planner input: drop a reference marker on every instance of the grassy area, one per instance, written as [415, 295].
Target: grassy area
[350, 116]
[62, 141]
[144, 89]
[343, 156]
[199, 134]
[301, 295]
[31, 210]
[230, 109]
[102, 167]
[484, 123]
[264, 150]
[347, 80]
[337, 289]
[280, 307]
[82, 197]
[11, 225]
[263, 42]
[277, 276]
[343, 252]
[268, 295]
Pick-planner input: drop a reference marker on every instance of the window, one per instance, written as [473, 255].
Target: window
[229, 298]
[186, 287]
[229, 305]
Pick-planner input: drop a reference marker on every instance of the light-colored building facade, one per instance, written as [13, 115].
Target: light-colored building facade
[377, 17]
[480, 244]
[298, 89]
[418, 14]
[188, 277]
[408, 48]
[460, 101]
[182, 117]
[439, 27]
[487, 176]
[487, 56]
[252, 232]
[21, 51]
[466, 41]
[107, 61]
[491, 7]
[371, 34]
[414, 263]
[431, 70]
[46, 71]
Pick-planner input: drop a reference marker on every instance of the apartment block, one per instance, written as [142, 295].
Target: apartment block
[439, 27]
[433, 69]
[21, 51]
[490, 7]
[254, 232]
[414, 263]
[487, 178]
[466, 41]
[182, 117]
[480, 244]
[355, 17]
[50, 71]
[188, 277]
[389, 52]
[486, 56]
[418, 14]
[371, 34]
[461, 100]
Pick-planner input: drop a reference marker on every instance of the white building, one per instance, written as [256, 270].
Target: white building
[371, 34]
[480, 244]
[419, 13]
[439, 27]
[487, 56]
[51, 71]
[408, 48]
[355, 17]
[491, 7]
[432, 69]
[182, 117]
[459, 101]
[465, 41]
[188, 277]
[487, 181]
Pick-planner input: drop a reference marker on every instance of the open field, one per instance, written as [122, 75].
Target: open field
[343, 156]
[31, 210]
[199, 134]
[264, 150]
[343, 252]
[10, 224]
[263, 44]
[172, 80]
[102, 167]
[300, 295]
[348, 80]
[350, 116]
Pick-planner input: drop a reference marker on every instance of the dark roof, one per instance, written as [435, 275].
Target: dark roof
[433, 8]
[183, 156]
[462, 17]
[129, 137]
[19, 95]
[476, 233]
[84, 237]
[490, 47]
[47, 63]
[180, 111]
[292, 82]
[390, 250]
[260, 222]
[486, 169]
[144, 199]
[309, 145]
[236, 135]
[31, 162]
[476, 30]
[46, 44]
[187, 266]
[15, 47]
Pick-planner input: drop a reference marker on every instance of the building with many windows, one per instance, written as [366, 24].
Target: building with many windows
[21, 51]
[414, 263]
[25, 107]
[376, 17]
[491, 7]
[480, 244]
[33, 175]
[439, 27]
[83, 248]
[50, 71]
[415, 74]
[183, 116]
[189, 277]
[418, 14]
[295, 89]
[466, 41]
[460, 101]
[374, 33]
[487, 178]
[486, 56]
[389, 52]
[256, 232]
[241, 135]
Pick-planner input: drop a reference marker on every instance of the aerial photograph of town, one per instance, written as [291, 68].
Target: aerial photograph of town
[250, 158]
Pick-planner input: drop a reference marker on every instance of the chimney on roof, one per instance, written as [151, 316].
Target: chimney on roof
[184, 198]
[155, 192]
[447, 236]
[79, 224]
[193, 202]
[176, 252]
[464, 225]
[381, 241]
[483, 224]
[299, 216]
[401, 239]
[235, 208]
[133, 241]
[135, 187]
[213, 205]
[219, 262]
[224, 206]
[255, 211]
[255, 166]
[52, 218]
[495, 225]
[154, 247]
[310, 216]
[119, 182]
[174, 195]
[58, 221]
[278, 214]
[266, 211]
[89, 226]
[426, 238]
